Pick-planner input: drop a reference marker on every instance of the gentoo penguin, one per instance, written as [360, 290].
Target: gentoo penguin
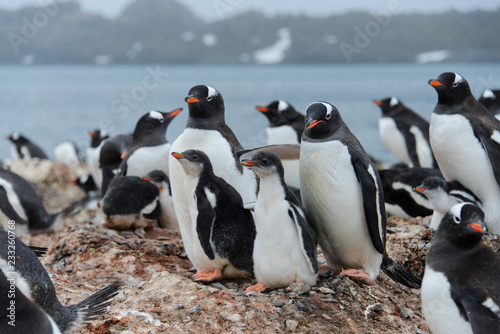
[23, 266]
[279, 216]
[67, 153]
[92, 195]
[93, 153]
[491, 100]
[443, 195]
[465, 138]
[167, 218]
[149, 149]
[285, 127]
[23, 148]
[21, 204]
[461, 286]
[223, 231]
[110, 158]
[405, 133]
[400, 199]
[130, 202]
[343, 198]
[206, 130]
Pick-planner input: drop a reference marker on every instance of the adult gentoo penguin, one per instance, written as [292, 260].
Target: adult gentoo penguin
[460, 288]
[465, 139]
[343, 198]
[149, 149]
[279, 216]
[405, 133]
[491, 100]
[223, 231]
[443, 195]
[285, 127]
[21, 204]
[24, 148]
[206, 130]
[35, 284]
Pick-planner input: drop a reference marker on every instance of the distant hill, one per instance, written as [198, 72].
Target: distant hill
[154, 31]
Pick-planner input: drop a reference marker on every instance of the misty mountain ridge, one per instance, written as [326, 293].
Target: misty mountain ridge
[166, 31]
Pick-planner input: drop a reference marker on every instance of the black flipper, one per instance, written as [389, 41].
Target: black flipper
[399, 274]
[481, 318]
[204, 223]
[8, 209]
[410, 141]
[39, 251]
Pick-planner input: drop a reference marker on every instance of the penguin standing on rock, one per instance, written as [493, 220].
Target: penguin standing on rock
[23, 148]
[461, 286]
[279, 216]
[343, 198]
[223, 231]
[465, 138]
[206, 130]
[35, 284]
[405, 133]
[149, 149]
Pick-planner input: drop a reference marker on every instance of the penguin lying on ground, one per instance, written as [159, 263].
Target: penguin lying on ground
[443, 195]
[149, 149]
[491, 100]
[405, 133]
[35, 284]
[23, 148]
[167, 218]
[465, 138]
[343, 198]
[279, 216]
[461, 286]
[222, 232]
[110, 158]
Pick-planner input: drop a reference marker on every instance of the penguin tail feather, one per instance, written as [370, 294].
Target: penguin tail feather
[399, 274]
[93, 306]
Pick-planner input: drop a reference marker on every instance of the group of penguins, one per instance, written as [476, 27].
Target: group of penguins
[261, 212]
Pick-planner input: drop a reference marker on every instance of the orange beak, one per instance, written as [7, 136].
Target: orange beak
[248, 163]
[314, 123]
[377, 102]
[145, 178]
[177, 155]
[123, 155]
[419, 189]
[262, 109]
[190, 100]
[435, 83]
[72, 181]
[175, 113]
[92, 134]
[476, 227]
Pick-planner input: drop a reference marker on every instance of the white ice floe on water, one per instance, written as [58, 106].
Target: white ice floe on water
[434, 56]
[209, 40]
[275, 53]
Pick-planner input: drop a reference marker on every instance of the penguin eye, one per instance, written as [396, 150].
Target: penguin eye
[209, 98]
[457, 219]
[455, 84]
[265, 161]
[195, 157]
[327, 116]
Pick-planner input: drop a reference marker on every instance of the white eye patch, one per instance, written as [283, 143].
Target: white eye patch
[329, 110]
[282, 105]
[488, 94]
[456, 212]
[394, 101]
[211, 91]
[458, 79]
[156, 115]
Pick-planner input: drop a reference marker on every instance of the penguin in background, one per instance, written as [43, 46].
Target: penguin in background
[343, 198]
[285, 127]
[23, 148]
[223, 231]
[67, 153]
[279, 216]
[35, 284]
[149, 149]
[460, 289]
[465, 138]
[21, 204]
[97, 137]
[443, 195]
[110, 158]
[207, 131]
[491, 100]
[167, 218]
[405, 133]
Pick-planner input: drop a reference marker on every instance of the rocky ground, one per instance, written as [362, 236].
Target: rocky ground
[158, 295]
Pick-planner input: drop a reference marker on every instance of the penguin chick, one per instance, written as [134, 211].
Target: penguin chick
[97, 138]
[460, 289]
[222, 232]
[343, 198]
[443, 195]
[167, 217]
[36, 285]
[279, 216]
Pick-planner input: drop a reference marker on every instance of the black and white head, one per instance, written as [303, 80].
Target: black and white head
[205, 102]
[158, 177]
[193, 161]
[490, 98]
[451, 87]
[96, 137]
[432, 187]
[16, 137]
[264, 163]
[85, 182]
[463, 225]
[155, 120]
[389, 105]
[322, 120]
[279, 113]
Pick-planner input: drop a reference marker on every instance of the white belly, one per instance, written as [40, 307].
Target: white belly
[460, 157]
[332, 198]
[147, 159]
[440, 311]
[423, 150]
[393, 139]
[92, 160]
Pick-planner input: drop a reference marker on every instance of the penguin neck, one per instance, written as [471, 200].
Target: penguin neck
[152, 135]
[271, 188]
[443, 244]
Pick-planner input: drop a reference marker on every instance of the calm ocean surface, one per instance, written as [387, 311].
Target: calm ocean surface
[50, 104]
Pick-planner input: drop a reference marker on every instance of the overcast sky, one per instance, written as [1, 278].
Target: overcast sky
[217, 9]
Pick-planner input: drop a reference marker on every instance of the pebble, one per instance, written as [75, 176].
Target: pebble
[278, 303]
[179, 307]
[326, 291]
[291, 324]
[195, 309]
[300, 289]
